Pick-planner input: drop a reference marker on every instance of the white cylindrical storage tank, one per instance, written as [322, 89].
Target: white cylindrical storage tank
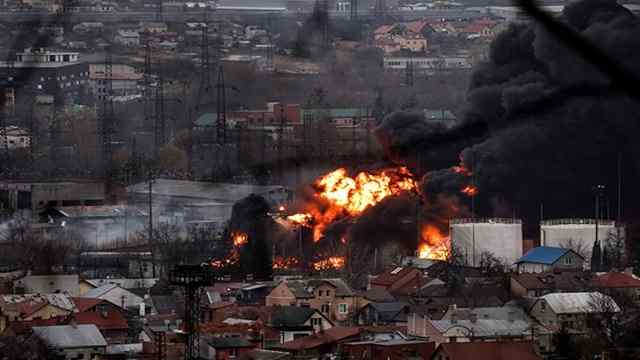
[577, 234]
[499, 236]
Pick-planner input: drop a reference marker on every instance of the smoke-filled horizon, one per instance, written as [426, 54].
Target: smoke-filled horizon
[539, 143]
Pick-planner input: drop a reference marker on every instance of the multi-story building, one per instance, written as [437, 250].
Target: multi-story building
[332, 297]
[124, 80]
[42, 71]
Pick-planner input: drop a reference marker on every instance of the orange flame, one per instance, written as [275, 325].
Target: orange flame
[301, 219]
[280, 262]
[350, 196]
[332, 262]
[239, 238]
[470, 190]
[434, 244]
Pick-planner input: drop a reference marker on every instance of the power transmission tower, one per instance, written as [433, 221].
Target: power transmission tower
[54, 136]
[409, 72]
[325, 24]
[160, 125]
[106, 119]
[205, 66]
[283, 123]
[353, 10]
[191, 278]
[148, 92]
[380, 9]
[221, 108]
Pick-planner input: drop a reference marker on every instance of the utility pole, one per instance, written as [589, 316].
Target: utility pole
[106, 123]
[152, 244]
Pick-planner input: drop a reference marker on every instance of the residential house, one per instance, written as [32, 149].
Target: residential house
[291, 322]
[386, 313]
[417, 323]
[571, 309]
[618, 283]
[479, 29]
[255, 293]
[332, 297]
[396, 37]
[475, 329]
[116, 295]
[47, 284]
[125, 283]
[224, 348]
[391, 349]
[379, 295]
[326, 342]
[263, 354]
[399, 281]
[109, 318]
[16, 138]
[535, 285]
[153, 27]
[546, 258]
[502, 350]
[87, 27]
[33, 307]
[73, 341]
[127, 37]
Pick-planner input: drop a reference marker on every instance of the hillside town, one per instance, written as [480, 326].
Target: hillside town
[319, 179]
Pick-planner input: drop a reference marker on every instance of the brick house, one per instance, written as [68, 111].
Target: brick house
[535, 285]
[399, 281]
[486, 350]
[331, 297]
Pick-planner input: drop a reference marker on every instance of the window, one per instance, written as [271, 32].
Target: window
[543, 306]
[316, 322]
[567, 260]
[342, 308]
[65, 57]
[52, 58]
[324, 308]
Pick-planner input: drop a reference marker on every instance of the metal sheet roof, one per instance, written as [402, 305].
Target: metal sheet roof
[580, 302]
[543, 255]
[68, 336]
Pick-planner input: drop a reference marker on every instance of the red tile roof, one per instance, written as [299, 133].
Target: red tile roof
[84, 304]
[565, 280]
[328, 337]
[28, 308]
[383, 29]
[417, 26]
[24, 327]
[615, 280]
[390, 277]
[489, 350]
[108, 320]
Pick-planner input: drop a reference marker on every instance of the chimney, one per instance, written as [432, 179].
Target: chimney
[473, 317]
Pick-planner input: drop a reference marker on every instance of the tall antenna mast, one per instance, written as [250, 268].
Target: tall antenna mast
[160, 126]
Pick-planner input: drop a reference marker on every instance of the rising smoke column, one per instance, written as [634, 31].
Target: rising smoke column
[545, 142]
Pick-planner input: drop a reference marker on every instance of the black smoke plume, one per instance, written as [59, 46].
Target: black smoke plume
[546, 125]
